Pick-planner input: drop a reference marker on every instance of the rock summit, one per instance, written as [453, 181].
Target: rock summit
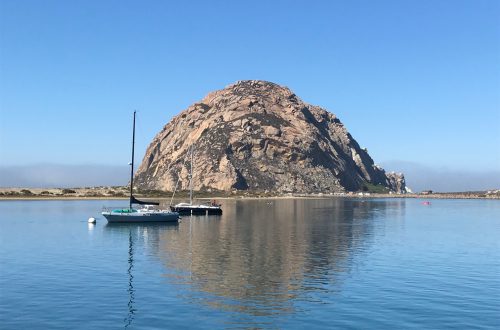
[259, 136]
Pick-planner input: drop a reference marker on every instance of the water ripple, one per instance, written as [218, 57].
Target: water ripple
[291, 264]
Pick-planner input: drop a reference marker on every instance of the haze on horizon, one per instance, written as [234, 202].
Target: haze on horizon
[415, 82]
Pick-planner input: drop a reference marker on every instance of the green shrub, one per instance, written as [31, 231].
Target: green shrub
[68, 191]
[377, 189]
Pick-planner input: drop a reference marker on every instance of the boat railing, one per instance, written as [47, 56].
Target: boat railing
[114, 208]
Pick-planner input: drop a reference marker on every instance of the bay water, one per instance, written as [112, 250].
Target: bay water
[334, 263]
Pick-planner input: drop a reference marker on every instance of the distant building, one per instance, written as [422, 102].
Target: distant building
[426, 192]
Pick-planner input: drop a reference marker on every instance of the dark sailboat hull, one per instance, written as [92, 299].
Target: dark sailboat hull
[197, 210]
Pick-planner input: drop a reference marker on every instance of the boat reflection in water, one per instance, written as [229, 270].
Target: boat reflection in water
[130, 316]
[261, 257]
[144, 235]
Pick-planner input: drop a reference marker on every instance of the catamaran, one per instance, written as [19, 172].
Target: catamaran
[210, 208]
[146, 213]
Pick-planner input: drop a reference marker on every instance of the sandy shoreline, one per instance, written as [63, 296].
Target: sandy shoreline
[121, 193]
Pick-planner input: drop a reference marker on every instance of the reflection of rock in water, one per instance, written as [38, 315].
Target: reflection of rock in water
[261, 254]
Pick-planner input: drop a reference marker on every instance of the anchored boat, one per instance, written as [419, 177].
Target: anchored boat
[146, 213]
[210, 208]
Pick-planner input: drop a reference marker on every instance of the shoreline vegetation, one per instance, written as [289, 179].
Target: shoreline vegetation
[122, 192]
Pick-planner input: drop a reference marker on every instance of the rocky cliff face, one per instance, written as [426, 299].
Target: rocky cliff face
[256, 135]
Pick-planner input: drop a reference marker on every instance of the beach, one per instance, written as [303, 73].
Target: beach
[122, 192]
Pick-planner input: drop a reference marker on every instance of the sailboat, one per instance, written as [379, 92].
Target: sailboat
[210, 208]
[147, 213]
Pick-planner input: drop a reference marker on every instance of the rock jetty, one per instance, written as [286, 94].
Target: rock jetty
[259, 136]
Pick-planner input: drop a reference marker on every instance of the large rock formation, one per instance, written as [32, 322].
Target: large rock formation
[256, 135]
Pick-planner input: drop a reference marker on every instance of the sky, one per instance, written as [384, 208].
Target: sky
[417, 82]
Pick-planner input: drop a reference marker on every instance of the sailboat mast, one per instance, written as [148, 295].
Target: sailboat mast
[132, 164]
[191, 179]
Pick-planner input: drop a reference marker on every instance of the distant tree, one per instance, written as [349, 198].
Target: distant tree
[26, 192]
[68, 191]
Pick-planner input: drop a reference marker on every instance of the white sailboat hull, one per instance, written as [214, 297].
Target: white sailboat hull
[134, 217]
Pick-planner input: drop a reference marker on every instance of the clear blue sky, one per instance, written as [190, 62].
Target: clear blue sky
[413, 81]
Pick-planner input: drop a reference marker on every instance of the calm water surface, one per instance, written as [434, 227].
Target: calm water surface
[286, 264]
